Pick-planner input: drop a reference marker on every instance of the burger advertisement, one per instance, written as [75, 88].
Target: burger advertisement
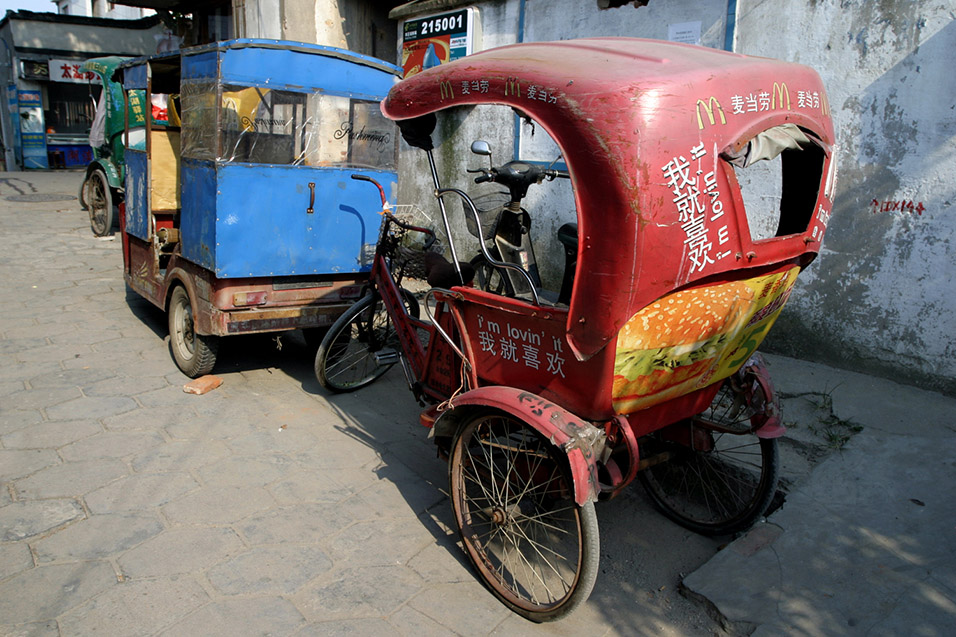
[692, 338]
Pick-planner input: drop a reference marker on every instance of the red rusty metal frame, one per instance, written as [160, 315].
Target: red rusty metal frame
[582, 442]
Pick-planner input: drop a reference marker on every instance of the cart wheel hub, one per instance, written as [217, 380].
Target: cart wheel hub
[499, 517]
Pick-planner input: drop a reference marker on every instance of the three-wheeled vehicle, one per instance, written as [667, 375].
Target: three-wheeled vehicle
[102, 189]
[240, 214]
[546, 402]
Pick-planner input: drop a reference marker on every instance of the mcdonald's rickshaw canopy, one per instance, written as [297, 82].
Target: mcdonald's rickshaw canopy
[652, 133]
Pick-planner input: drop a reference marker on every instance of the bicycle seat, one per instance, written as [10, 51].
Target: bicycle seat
[441, 273]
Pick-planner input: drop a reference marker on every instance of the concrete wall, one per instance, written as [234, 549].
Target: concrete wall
[881, 296]
[88, 39]
[357, 25]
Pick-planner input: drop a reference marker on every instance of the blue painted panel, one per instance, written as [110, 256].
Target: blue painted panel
[135, 76]
[197, 217]
[201, 66]
[262, 227]
[137, 202]
[298, 70]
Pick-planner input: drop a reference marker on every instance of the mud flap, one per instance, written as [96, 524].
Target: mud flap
[582, 442]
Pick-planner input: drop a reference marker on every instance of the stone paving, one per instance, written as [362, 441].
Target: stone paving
[128, 507]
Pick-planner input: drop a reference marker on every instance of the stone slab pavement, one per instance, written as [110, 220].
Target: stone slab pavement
[866, 544]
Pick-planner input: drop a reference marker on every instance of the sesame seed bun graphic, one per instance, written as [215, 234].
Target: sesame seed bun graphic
[677, 339]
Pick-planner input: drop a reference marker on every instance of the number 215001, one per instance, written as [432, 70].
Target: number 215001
[443, 25]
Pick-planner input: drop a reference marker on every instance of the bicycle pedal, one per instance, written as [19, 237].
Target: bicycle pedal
[387, 356]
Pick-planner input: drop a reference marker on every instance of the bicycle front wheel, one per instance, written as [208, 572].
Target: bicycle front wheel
[361, 345]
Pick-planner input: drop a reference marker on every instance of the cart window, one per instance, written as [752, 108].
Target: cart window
[136, 112]
[200, 125]
[780, 172]
[266, 126]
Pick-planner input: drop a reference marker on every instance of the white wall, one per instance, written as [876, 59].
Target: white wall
[881, 296]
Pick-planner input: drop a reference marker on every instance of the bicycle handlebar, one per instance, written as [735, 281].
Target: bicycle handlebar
[518, 176]
[407, 226]
[381, 191]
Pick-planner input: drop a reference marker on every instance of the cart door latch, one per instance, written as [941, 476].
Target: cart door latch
[310, 209]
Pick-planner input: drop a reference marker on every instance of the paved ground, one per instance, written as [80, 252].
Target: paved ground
[267, 507]
[128, 507]
[866, 543]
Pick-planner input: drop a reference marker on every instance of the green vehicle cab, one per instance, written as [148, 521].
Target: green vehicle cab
[102, 188]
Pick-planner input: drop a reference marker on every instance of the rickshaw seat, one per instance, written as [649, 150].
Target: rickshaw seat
[440, 273]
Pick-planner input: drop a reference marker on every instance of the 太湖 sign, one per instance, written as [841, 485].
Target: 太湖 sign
[69, 71]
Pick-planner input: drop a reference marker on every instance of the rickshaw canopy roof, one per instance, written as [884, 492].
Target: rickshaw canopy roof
[630, 117]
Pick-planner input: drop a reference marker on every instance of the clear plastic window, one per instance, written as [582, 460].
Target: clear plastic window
[266, 126]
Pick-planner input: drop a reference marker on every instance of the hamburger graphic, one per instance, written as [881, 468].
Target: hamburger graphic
[669, 346]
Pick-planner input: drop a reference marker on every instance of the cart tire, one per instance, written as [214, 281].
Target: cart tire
[195, 354]
[99, 201]
[717, 492]
[512, 495]
[348, 358]
[488, 278]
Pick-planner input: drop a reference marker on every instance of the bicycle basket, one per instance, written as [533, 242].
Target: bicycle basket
[490, 206]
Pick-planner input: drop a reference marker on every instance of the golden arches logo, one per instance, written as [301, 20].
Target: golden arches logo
[710, 106]
[447, 91]
[780, 92]
[513, 87]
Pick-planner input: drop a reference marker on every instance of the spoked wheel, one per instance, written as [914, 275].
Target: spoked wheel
[99, 202]
[719, 490]
[512, 494]
[194, 354]
[490, 278]
[361, 345]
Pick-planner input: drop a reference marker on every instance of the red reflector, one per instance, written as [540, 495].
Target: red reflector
[245, 299]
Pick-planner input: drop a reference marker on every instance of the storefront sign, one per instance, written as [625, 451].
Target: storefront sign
[13, 108]
[32, 137]
[69, 71]
[436, 39]
[35, 70]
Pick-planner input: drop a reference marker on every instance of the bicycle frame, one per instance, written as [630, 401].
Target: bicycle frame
[431, 368]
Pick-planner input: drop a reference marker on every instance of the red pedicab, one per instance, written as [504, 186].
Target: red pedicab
[645, 365]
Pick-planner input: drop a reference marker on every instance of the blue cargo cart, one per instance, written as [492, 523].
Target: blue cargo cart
[241, 214]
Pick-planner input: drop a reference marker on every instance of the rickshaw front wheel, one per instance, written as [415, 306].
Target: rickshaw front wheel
[195, 354]
[512, 495]
[98, 197]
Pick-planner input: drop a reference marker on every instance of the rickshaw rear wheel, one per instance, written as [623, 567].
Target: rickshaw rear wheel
[718, 491]
[98, 197]
[361, 345]
[195, 354]
[512, 495]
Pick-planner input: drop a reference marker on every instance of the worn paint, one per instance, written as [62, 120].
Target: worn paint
[879, 299]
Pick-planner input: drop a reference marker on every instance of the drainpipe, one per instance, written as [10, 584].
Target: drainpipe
[517, 126]
[731, 30]
[6, 117]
